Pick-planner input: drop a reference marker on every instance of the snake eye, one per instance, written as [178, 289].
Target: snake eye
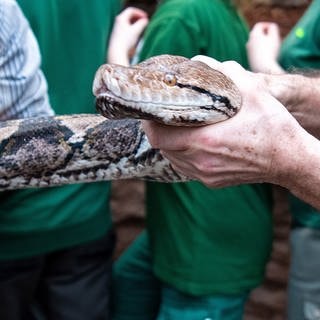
[170, 79]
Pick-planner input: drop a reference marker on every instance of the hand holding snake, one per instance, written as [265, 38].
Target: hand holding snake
[263, 143]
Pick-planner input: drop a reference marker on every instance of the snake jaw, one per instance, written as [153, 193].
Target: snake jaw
[112, 108]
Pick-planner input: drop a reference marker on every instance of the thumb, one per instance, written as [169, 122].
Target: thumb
[211, 62]
[166, 137]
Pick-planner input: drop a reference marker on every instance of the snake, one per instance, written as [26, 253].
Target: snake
[111, 144]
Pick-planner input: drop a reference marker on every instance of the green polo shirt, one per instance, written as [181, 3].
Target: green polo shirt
[301, 50]
[205, 241]
[72, 36]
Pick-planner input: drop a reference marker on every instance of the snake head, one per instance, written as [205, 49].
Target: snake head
[170, 89]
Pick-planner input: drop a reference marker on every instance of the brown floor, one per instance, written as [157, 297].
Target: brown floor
[268, 301]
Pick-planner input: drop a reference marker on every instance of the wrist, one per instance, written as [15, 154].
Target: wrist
[296, 155]
[277, 86]
[299, 94]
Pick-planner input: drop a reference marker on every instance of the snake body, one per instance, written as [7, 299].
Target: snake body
[51, 151]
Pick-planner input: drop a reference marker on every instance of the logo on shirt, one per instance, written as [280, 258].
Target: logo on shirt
[299, 32]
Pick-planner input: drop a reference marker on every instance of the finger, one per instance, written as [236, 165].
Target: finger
[178, 162]
[167, 137]
[218, 176]
[261, 27]
[274, 29]
[212, 63]
[229, 68]
[139, 26]
[134, 14]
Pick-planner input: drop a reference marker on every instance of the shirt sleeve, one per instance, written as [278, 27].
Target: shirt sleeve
[23, 88]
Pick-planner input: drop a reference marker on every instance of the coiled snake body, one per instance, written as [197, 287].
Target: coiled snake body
[42, 152]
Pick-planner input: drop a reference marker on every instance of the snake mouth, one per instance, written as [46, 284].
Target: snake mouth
[112, 107]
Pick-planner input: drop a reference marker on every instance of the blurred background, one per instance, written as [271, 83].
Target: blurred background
[268, 301]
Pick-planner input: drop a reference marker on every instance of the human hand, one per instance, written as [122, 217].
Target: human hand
[263, 48]
[250, 147]
[128, 27]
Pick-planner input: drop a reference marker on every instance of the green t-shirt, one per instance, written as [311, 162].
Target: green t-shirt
[72, 36]
[205, 241]
[301, 50]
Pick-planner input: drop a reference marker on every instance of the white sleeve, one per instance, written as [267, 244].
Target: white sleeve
[23, 88]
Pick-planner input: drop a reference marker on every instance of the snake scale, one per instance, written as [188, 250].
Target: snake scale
[51, 151]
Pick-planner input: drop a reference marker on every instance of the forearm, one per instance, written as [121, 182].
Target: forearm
[298, 167]
[301, 96]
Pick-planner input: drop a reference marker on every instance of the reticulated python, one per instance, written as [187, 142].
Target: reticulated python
[41, 152]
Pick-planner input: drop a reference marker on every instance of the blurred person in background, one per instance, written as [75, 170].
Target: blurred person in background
[57, 243]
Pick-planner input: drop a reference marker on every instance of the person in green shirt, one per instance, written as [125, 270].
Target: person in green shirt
[299, 52]
[56, 243]
[204, 249]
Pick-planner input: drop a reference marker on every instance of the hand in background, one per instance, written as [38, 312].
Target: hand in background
[263, 48]
[128, 27]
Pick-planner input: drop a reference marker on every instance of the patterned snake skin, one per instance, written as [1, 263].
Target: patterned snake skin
[42, 152]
